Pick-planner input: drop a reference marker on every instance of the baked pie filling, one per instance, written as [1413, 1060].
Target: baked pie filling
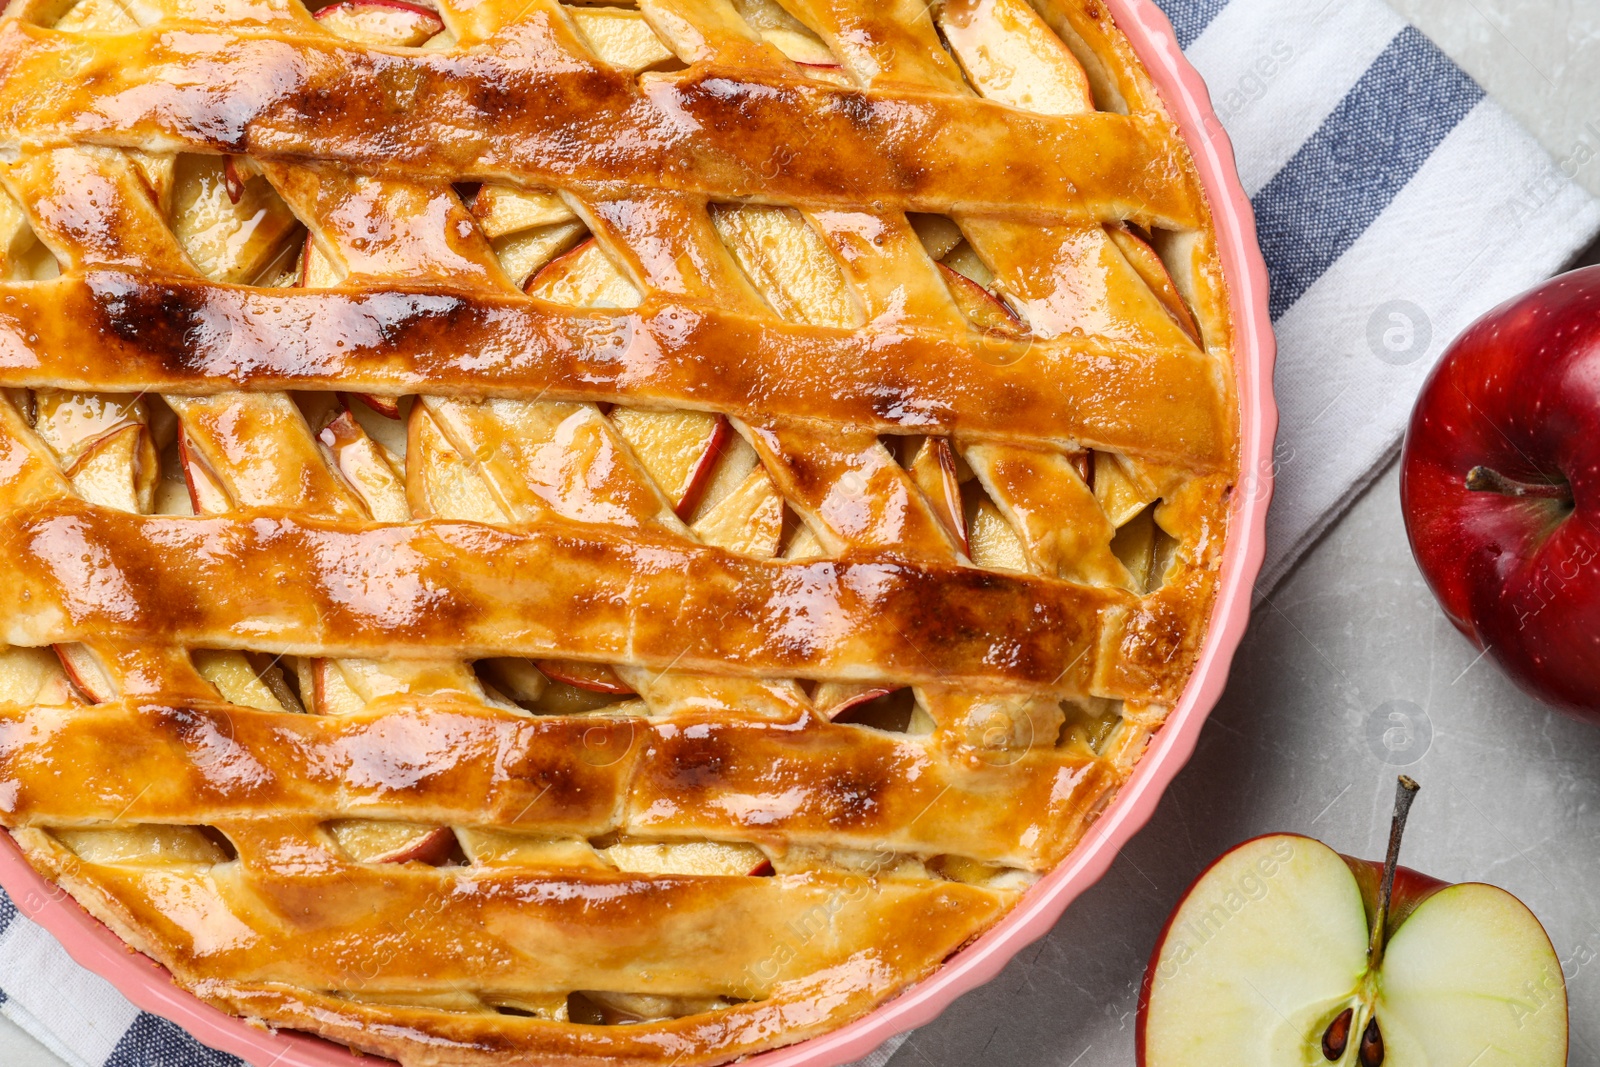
[566, 533]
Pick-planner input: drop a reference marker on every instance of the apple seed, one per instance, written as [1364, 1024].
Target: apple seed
[1337, 1036]
[1371, 1052]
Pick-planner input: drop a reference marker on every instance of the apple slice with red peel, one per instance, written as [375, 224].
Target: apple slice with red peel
[506, 209]
[232, 228]
[376, 841]
[1011, 55]
[83, 670]
[934, 470]
[594, 677]
[118, 471]
[380, 23]
[387, 406]
[1150, 268]
[316, 269]
[835, 700]
[583, 277]
[206, 495]
[809, 54]
[678, 449]
[331, 692]
[232, 180]
[1271, 959]
[365, 468]
[1083, 462]
[33, 676]
[986, 310]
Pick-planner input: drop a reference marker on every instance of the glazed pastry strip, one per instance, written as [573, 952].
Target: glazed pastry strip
[436, 761]
[507, 932]
[541, 114]
[292, 585]
[115, 332]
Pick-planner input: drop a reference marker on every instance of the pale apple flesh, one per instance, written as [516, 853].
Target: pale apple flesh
[1269, 949]
[380, 23]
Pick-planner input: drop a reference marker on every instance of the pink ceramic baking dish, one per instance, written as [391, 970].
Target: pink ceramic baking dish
[148, 985]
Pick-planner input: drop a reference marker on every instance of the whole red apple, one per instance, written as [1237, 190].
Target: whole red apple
[1500, 486]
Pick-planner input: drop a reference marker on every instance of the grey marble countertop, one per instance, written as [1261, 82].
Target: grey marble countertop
[1510, 789]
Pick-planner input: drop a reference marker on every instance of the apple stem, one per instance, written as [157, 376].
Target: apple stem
[1489, 480]
[1405, 792]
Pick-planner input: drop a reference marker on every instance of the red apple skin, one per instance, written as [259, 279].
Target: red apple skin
[864, 697]
[78, 680]
[556, 671]
[1411, 888]
[432, 848]
[715, 444]
[387, 406]
[1519, 392]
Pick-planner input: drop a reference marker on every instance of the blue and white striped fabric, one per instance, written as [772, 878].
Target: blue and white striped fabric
[1395, 203]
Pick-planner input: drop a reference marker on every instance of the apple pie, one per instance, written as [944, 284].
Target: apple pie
[538, 531]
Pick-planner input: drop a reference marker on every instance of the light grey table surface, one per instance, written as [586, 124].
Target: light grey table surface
[1510, 789]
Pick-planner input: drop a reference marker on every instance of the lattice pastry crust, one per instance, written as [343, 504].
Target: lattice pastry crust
[545, 532]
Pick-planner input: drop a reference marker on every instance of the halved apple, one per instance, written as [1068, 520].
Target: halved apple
[1286, 954]
[380, 23]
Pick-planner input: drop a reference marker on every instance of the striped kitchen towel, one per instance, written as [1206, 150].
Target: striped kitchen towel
[1395, 203]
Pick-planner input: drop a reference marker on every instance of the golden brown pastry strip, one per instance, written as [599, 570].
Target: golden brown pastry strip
[116, 332]
[440, 762]
[433, 760]
[502, 931]
[829, 785]
[538, 113]
[281, 583]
